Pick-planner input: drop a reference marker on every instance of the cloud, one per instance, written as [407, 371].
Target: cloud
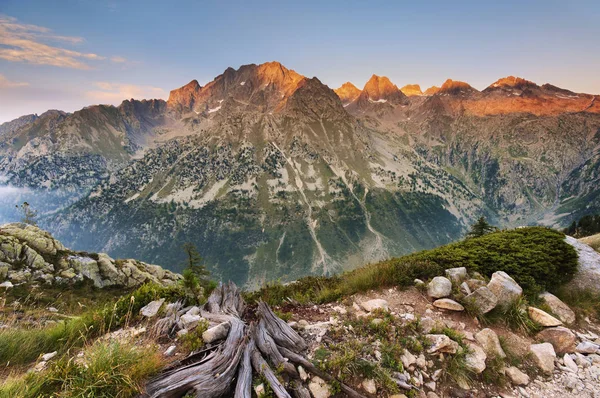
[40, 46]
[5, 83]
[118, 60]
[115, 93]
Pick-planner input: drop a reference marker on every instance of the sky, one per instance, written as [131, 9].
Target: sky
[67, 54]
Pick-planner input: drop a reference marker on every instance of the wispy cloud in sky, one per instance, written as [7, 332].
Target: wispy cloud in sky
[6, 83]
[115, 93]
[39, 45]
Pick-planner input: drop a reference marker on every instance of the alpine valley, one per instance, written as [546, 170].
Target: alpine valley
[274, 176]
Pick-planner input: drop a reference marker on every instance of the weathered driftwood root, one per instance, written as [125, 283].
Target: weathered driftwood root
[227, 366]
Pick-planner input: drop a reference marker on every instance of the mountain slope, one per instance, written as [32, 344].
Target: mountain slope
[273, 175]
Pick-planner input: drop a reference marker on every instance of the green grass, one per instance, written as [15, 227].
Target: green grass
[108, 369]
[20, 346]
[584, 303]
[514, 316]
[536, 257]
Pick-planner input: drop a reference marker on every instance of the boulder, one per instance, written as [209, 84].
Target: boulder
[504, 288]
[587, 347]
[561, 338]
[488, 339]
[151, 309]
[457, 275]
[542, 317]
[6, 284]
[369, 386]
[318, 388]
[517, 377]
[465, 289]
[517, 345]
[38, 239]
[560, 309]
[440, 343]
[216, 333]
[189, 321]
[475, 284]
[407, 359]
[448, 304]
[543, 356]
[170, 351]
[475, 358]
[439, 287]
[482, 299]
[375, 304]
[570, 363]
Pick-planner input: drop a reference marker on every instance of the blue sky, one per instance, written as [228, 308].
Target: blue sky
[67, 54]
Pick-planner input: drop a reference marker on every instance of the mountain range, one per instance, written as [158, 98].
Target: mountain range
[274, 175]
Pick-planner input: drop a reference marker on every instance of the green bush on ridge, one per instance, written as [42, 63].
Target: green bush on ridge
[538, 258]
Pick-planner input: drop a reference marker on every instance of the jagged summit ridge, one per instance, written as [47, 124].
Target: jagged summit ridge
[347, 92]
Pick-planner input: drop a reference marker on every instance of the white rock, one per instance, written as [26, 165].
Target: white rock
[6, 284]
[369, 386]
[319, 388]
[49, 356]
[170, 351]
[562, 311]
[341, 310]
[475, 358]
[542, 317]
[570, 363]
[152, 308]
[488, 339]
[215, 333]
[442, 344]
[407, 359]
[302, 373]
[259, 390]
[182, 332]
[448, 304]
[439, 287]
[52, 309]
[375, 304]
[189, 321]
[517, 377]
[504, 288]
[543, 355]
[193, 311]
[587, 347]
[457, 275]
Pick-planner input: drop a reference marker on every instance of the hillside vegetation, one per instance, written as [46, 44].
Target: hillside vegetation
[538, 258]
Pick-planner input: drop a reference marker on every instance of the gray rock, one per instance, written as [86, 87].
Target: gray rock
[170, 351]
[543, 356]
[570, 363]
[448, 304]
[542, 317]
[457, 275]
[441, 343]
[49, 356]
[151, 309]
[375, 304]
[488, 339]
[189, 322]
[482, 299]
[216, 333]
[517, 377]
[504, 288]
[587, 347]
[476, 358]
[560, 309]
[193, 311]
[439, 287]
[407, 359]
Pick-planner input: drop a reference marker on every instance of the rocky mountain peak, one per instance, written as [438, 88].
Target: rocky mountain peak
[455, 87]
[432, 90]
[347, 92]
[512, 82]
[380, 90]
[314, 99]
[184, 96]
[411, 90]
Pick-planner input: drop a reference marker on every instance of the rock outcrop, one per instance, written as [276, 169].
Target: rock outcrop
[29, 254]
